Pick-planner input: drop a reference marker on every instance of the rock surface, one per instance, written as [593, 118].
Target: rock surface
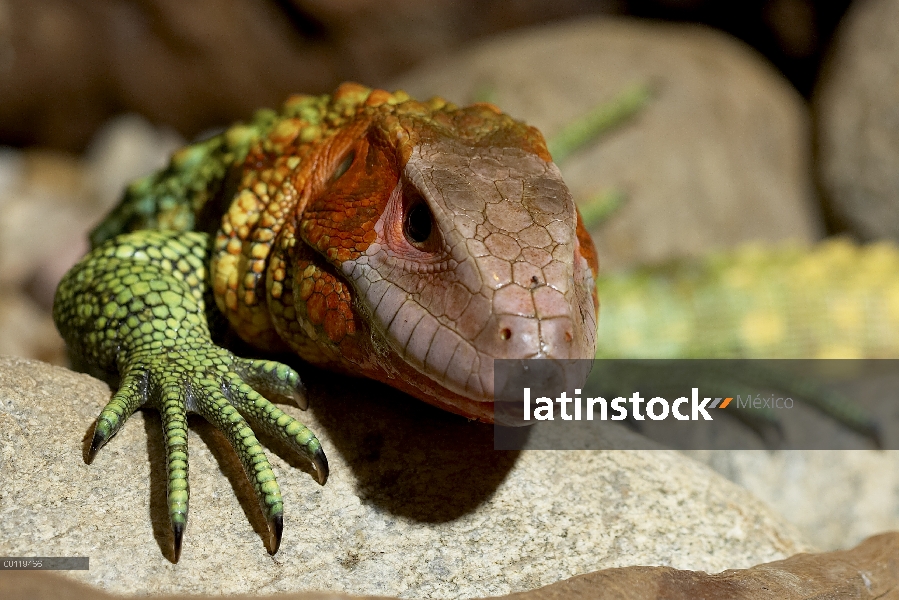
[720, 156]
[858, 121]
[869, 571]
[835, 498]
[418, 504]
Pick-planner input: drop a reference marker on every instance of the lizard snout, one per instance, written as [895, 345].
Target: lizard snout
[529, 337]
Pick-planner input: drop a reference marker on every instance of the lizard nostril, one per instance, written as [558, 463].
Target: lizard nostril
[505, 333]
[568, 337]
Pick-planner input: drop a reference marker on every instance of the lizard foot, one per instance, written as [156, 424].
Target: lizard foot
[219, 386]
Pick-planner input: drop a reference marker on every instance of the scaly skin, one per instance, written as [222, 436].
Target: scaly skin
[411, 243]
[140, 311]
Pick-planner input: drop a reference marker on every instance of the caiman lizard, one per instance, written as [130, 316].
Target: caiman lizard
[408, 242]
[411, 243]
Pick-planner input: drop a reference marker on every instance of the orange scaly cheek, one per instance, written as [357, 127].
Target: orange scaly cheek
[325, 302]
[339, 222]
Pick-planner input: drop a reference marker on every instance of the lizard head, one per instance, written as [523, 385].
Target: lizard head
[465, 246]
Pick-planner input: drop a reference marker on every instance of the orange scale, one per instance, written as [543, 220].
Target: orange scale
[332, 301]
[335, 327]
[315, 309]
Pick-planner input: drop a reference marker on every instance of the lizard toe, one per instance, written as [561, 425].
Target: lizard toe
[130, 395]
[268, 417]
[172, 403]
[273, 379]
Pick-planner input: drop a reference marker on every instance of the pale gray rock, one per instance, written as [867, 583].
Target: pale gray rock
[836, 498]
[44, 204]
[857, 114]
[418, 503]
[720, 156]
[124, 149]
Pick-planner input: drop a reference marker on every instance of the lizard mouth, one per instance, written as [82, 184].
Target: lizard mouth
[471, 374]
[468, 387]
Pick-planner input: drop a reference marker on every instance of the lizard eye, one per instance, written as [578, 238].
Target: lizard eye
[418, 224]
[344, 166]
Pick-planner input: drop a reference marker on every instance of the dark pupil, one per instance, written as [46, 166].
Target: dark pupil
[418, 223]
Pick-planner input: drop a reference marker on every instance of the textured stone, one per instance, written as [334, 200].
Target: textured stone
[720, 156]
[836, 498]
[418, 504]
[857, 113]
[868, 571]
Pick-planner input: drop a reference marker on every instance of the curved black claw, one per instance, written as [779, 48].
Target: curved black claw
[177, 535]
[320, 462]
[99, 440]
[275, 527]
[122, 405]
[298, 397]
[282, 381]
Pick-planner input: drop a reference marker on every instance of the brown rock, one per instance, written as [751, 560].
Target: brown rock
[66, 66]
[858, 124]
[720, 156]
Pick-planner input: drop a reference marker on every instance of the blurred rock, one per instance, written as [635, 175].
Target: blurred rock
[44, 203]
[49, 201]
[27, 330]
[66, 66]
[857, 112]
[418, 503]
[720, 156]
[835, 498]
[125, 148]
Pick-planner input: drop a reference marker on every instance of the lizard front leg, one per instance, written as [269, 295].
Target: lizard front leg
[136, 305]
